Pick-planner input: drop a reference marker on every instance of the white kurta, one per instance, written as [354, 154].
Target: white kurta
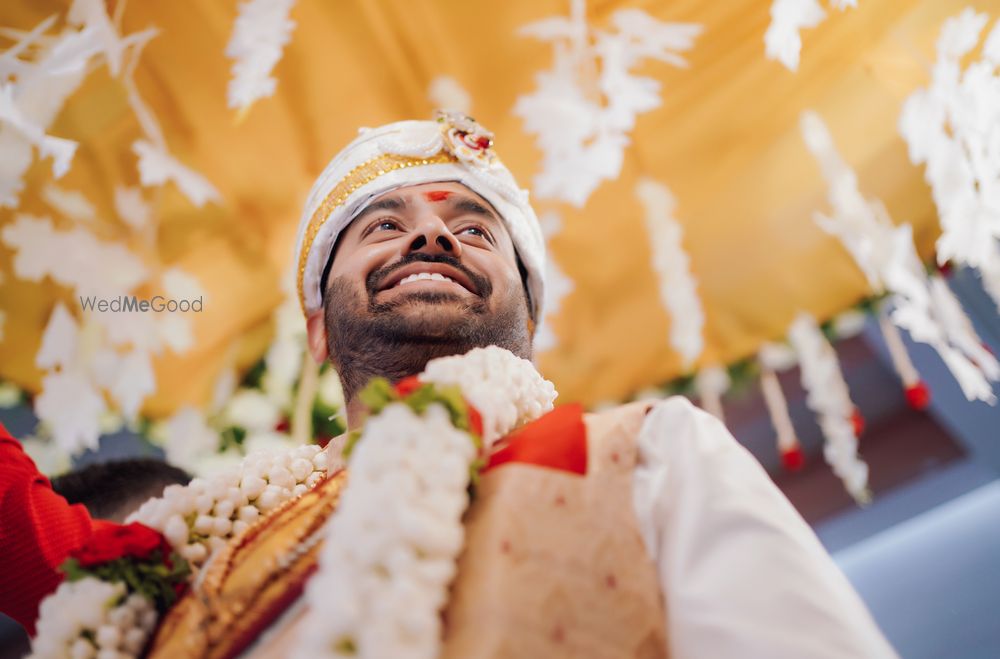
[742, 573]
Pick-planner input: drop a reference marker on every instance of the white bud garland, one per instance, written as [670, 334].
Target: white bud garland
[92, 618]
[392, 544]
[390, 548]
[200, 517]
[505, 389]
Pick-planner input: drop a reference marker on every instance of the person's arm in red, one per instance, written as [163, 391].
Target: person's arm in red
[38, 529]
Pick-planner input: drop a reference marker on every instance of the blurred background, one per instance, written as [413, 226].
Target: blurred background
[787, 211]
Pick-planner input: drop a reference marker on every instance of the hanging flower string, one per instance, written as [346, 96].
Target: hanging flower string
[828, 397]
[772, 358]
[918, 396]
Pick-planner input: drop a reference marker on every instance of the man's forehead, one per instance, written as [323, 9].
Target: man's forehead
[453, 193]
[433, 192]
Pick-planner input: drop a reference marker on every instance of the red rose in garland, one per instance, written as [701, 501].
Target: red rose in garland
[135, 554]
[133, 540]
[408, 385]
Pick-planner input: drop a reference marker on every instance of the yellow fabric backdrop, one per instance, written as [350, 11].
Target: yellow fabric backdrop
[726, 141]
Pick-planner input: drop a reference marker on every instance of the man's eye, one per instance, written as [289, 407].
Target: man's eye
[475, 231]
[386, 225]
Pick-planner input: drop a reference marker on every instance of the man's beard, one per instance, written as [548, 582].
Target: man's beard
[368, 339]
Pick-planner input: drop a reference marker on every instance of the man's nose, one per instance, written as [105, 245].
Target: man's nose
[432, 236]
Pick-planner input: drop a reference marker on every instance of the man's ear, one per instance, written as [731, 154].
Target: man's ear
[316, 332]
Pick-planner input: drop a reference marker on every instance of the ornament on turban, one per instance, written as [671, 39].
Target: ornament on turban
[451, 148]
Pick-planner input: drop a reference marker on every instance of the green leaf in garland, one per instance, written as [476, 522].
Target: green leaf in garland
[377, 394]
[151, 577]
[353, 438]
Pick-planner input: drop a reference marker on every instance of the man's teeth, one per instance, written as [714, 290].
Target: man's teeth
[421, 276]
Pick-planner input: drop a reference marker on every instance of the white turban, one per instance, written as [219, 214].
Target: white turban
[452, 148]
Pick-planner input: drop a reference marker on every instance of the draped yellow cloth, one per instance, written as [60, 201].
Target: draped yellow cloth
[725, 140]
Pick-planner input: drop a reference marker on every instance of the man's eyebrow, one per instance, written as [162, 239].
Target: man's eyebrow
[470, 205]
[387, 204]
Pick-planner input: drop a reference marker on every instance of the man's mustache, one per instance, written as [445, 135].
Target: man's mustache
[483, 287]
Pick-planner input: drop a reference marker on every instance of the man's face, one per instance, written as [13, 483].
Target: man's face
[428, 269]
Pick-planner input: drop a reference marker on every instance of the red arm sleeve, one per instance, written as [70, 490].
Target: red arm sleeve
[38, 529]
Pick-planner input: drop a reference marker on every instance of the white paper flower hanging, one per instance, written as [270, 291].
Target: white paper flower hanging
[448, 94]
[40, 73]
[71, 407]
[253, 410]
[582, 121]
[782, 41]
[284, 357]
[953, 127]
[261, 31]
[678, 290]
[74, 258]
[157, 167]
[827, 395]
[59, 149]
[888, 257]
[132, 207]
[70, 203]
[958, 329]
[132, 382]
[59, 340]
[557, 286]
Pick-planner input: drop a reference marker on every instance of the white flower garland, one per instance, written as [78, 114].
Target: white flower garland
[200, 517]
[391, 546]
[828, 397]
[506, 390]
[92, 618]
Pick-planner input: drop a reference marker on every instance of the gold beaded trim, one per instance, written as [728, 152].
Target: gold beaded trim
[361, 175]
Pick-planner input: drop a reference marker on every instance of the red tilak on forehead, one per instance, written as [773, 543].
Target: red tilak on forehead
[437, 195]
